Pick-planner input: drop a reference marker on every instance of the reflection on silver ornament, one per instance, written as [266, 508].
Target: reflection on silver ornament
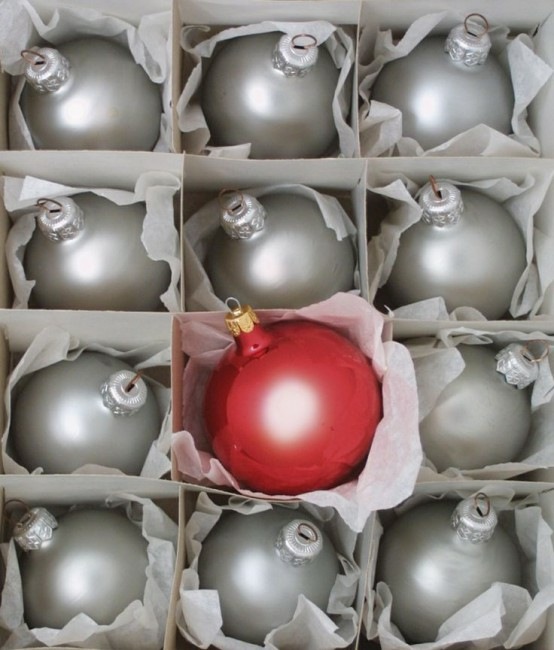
[90, 561]
[273, 91]
[466, 248]
[437, 557]
[276, 251]
[446, 86]
[260, 563]
[87, 253]
[89, 93]
[479, 419]
[90, 410]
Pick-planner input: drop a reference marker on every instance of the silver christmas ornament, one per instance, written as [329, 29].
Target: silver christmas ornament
[437, 557]
[260, 563]
[466, 249]
[446, 86]
[479, 419]
[87, 253]
[89, 93]
[91, 410]
[277, 252]
[90, 561]
[273, 91]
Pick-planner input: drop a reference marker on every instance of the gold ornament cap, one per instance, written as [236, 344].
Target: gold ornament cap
[241, 319]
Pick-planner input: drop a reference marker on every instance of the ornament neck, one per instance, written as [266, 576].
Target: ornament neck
[296, 55]
[45, 69]
[474, 519]
[441, 203]
[241, 215]
[519, 362]
[59, 219]
[124, 392]
[299, 542]
[34, 528]
[251, 338]
[469, 43]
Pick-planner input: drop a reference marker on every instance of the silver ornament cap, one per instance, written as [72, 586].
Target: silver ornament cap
[469, 43]
[124, 392]
[519, 363]
[46, 69]
[474, 519]
[34, 528]
[299, 542]
[441, 203]
[296, 55]
[241, 215]
[59, 219]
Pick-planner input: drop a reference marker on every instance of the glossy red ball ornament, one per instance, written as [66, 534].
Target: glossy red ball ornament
[293, 407]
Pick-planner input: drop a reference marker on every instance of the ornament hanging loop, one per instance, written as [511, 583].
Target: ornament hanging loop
[435, 187]
[299, 45]
[478, 500]
[231, 200]
[9, 512]
[482, 19]
[307, 533]
[32, 57]
[535, 351]
[44, 203]
[237, 308]
[133, 382]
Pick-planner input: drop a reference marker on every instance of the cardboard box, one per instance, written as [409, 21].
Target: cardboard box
[348, 179]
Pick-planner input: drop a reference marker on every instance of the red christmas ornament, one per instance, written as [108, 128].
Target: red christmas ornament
[293, 408]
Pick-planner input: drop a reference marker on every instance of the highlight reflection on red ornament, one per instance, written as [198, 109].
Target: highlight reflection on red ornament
[293, 408]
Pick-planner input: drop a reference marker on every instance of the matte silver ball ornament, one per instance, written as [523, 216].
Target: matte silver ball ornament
[90, 410]
[446, 86]
[466, 248]
[90, 561]
[273, 91]
[439, 556]
[260, 563]
[277, 252]
[89, 93]
[479, 419]
[87, 253]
